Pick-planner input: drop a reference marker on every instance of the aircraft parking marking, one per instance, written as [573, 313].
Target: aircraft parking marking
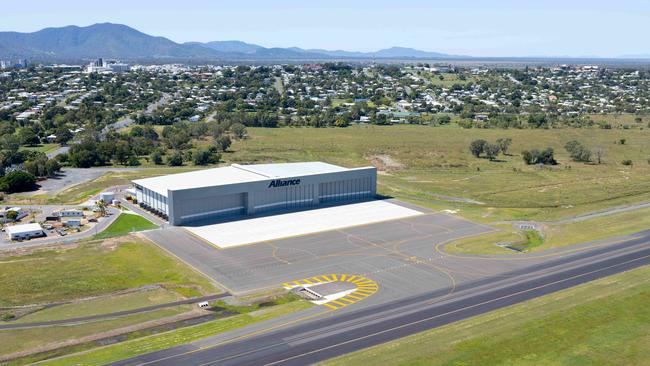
[365, 287]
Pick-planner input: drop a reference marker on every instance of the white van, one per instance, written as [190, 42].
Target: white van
[204, 305]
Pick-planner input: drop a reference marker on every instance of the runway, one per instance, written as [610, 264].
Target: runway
[332, 333]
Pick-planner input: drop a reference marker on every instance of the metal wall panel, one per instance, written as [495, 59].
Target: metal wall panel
[215, 206]
[284, 198]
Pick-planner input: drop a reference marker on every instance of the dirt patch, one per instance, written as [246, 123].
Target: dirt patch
[385, 163]
[113, 243]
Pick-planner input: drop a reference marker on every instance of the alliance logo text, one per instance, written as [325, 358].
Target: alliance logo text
[284, 183]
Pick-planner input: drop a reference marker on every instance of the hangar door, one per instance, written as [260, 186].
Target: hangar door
[284, 198]
[211, 207]
[346, 190]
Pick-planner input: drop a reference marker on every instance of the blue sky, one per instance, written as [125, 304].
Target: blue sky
[471, 27]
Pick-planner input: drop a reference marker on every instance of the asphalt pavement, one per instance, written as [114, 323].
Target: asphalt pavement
[333, 333]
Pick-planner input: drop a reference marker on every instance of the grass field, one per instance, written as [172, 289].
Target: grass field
[448, 80]
[436, 161]
[103, 305]
[32, 339]
[556, 235]
[605, 322]
[91, 269]
[124, 224]
[136, 347]
[44, 148]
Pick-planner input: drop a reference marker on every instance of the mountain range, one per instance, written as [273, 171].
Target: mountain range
[73, 43]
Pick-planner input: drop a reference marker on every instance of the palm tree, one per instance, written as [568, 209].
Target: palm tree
[101, 204]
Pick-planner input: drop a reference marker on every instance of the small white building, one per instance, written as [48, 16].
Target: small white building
[70, 213]
[73, 223]
[107, 197]
[26, 231]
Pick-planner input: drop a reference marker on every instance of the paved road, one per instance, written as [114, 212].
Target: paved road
[333, 333]
[111, 315]
[57, 152]
[113, 213]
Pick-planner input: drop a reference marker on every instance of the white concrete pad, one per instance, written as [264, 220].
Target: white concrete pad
[286, 225]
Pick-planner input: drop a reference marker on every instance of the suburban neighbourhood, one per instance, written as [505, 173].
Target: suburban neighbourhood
[364, 184]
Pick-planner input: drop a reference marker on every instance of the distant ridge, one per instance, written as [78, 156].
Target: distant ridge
[123, 42]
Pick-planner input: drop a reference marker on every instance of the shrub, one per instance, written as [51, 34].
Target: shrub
[17, 181]
[535, 156]
[175, 160]
[477, 147]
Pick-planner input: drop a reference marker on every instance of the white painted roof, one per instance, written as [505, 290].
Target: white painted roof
[291, 169]
[25, 228]
[234, 174]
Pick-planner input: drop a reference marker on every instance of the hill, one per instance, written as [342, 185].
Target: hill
[123, 42]
[98, 40]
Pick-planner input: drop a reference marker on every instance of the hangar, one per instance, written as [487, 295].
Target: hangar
[241, 190]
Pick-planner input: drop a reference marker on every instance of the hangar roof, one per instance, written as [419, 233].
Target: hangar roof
[286, 170]
[234, 174]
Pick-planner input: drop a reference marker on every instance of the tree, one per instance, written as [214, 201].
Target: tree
[535, 156]
[444, 119]
[223, 142]
[600, 152]
[201, 157]
[82, 159]
[477, 147]
[491, 151]
[101, 205]
[156, 157]
[122, 152]
[28, 137]
[504, 144]
[17, 181]
[12, 215]
[238, 130]
[132, 161]
[578, 151]
[341, 122]
[176, 159]
[63, 135]
[546, 157]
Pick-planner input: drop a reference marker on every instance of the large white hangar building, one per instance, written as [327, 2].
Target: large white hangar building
[240, 190]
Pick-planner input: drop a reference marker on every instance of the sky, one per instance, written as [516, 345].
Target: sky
[463, 27]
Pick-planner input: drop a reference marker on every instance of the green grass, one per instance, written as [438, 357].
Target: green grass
[450, 79]
[44, 148]
[32, 339]
[91, 269]
[532, 239]
[103, 305]
[124, 224]
[161, 341]
[86, 190]
[555, 235]
[436, 160]
[605, 322]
